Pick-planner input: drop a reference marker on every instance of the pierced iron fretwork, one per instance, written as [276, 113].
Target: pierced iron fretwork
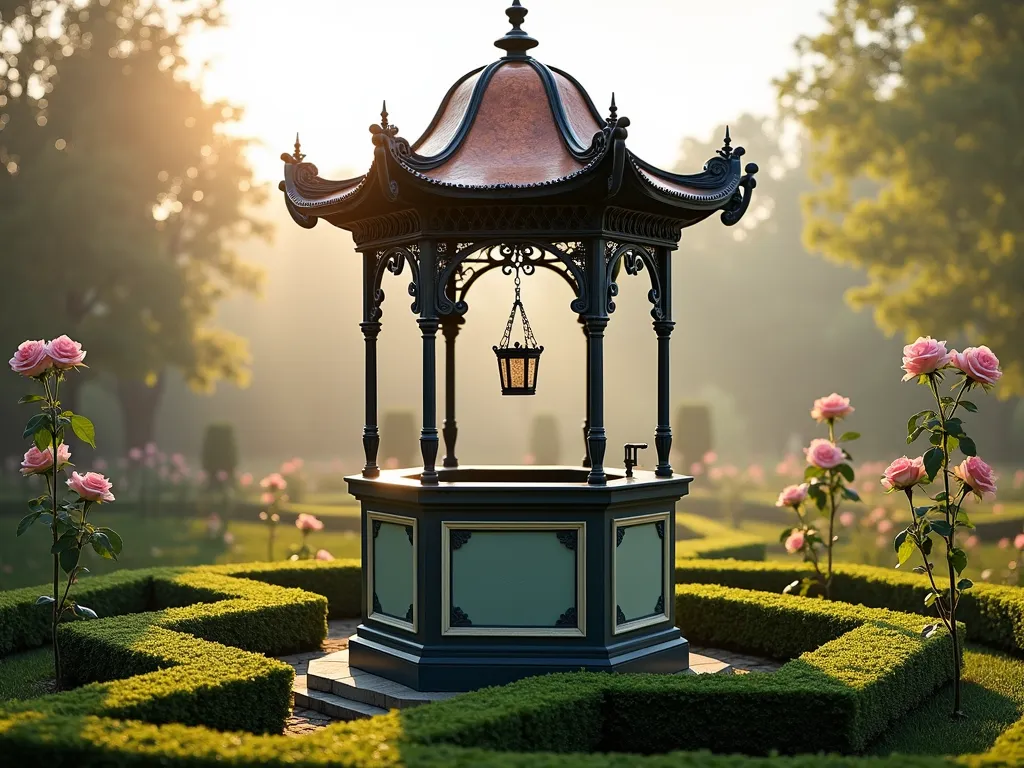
[376, 527]
[376, 603]
[620, 534]
[459, 618]
[659, 607]
[459, 539]
[393, 260]
[634, 259]
[568, 539]
[620, 617]
[660, 528]
[408, 614]
[408, 532]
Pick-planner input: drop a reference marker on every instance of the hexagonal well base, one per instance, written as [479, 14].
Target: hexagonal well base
[499, 573]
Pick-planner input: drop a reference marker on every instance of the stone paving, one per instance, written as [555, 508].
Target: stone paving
[304, 721]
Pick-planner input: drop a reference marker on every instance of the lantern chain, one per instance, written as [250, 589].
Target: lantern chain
[529, 340]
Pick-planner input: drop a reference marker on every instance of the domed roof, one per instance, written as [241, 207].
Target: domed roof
[513, 129]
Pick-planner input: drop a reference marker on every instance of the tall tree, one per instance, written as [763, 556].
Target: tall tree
[122, 193]
[923, 99]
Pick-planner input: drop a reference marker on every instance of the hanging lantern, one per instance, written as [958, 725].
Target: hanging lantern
[517, 364]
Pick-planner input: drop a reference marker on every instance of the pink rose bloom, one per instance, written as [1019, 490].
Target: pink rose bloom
[31, 358]
[308, 523]
[287, 468]
[1018, 542]
[971, 542]
[323, 554]
[824, 454]
[795, 542]
[756, 473]
[135, 454]
[245, 480]
[792, 496]
[65, 353]
[91, 486]
[710, 457]
[274, 482]
[846, 519]
[877, 514]
[884, 526]
[716, 474]
[222, 476]
[151, 449]
[903, 473]
[979, 363]
[1004, 543]
[696, 469]
[832, 407]
[37, 462]
[298, 463]
[926, 355]
[977, 475]
[267, 498]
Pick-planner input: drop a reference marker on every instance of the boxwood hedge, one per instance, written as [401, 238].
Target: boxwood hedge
[993, 613]
[193, 639]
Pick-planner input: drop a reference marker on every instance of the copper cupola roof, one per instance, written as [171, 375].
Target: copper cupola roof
[513, 130]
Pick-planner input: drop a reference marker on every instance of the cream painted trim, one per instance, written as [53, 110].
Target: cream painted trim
[383, 618]
[580, 630]
[646, 621]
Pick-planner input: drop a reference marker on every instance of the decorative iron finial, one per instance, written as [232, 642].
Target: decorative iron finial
[613, 111]
[726, 150]
[297, 154]
[516, 42]
[384, 116]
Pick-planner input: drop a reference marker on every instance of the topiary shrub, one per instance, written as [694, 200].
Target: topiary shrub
[691, 432]
[545, 443]
[220, 451]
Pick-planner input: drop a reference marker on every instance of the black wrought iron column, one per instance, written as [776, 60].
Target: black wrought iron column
[663, 327]
[450, 326]
[371, 330]
[429, 323]
[586, 411]
[596, 321]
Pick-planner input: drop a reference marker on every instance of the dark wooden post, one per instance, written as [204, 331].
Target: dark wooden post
[663, 327]
[450, 325]
[586, 411]
[371, 330]
[429, 323]
[596, 321]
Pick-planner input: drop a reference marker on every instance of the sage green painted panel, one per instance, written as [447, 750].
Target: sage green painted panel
[392, 569]
[514, 578]
[639, 578]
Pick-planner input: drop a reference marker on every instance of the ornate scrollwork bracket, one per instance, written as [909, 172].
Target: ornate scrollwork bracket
[394, 260]
[472, 260]
[634, 258]
[740, 200]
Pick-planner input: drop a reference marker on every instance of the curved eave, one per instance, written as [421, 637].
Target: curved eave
[709, 190]
[309, 197]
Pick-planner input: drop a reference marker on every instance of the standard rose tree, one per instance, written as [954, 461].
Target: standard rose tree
[827, 475]
[47, 363]
[941, 516]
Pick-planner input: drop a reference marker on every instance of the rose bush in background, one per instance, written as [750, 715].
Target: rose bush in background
[826, 476]
[272, 498]
[307, 524]
[46, 364]
[941, 516]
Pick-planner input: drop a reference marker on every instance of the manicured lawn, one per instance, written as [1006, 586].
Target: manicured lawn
[24, 675]
[155, 541]
[993, 698]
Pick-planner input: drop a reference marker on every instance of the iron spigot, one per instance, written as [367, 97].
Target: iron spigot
[632, 457]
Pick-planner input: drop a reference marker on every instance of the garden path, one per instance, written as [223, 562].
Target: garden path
[303, 721]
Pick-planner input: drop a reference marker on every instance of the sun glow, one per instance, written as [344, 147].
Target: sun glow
[322, 67]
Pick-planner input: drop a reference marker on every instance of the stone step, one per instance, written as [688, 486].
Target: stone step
[332, 674]
[332, 706]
